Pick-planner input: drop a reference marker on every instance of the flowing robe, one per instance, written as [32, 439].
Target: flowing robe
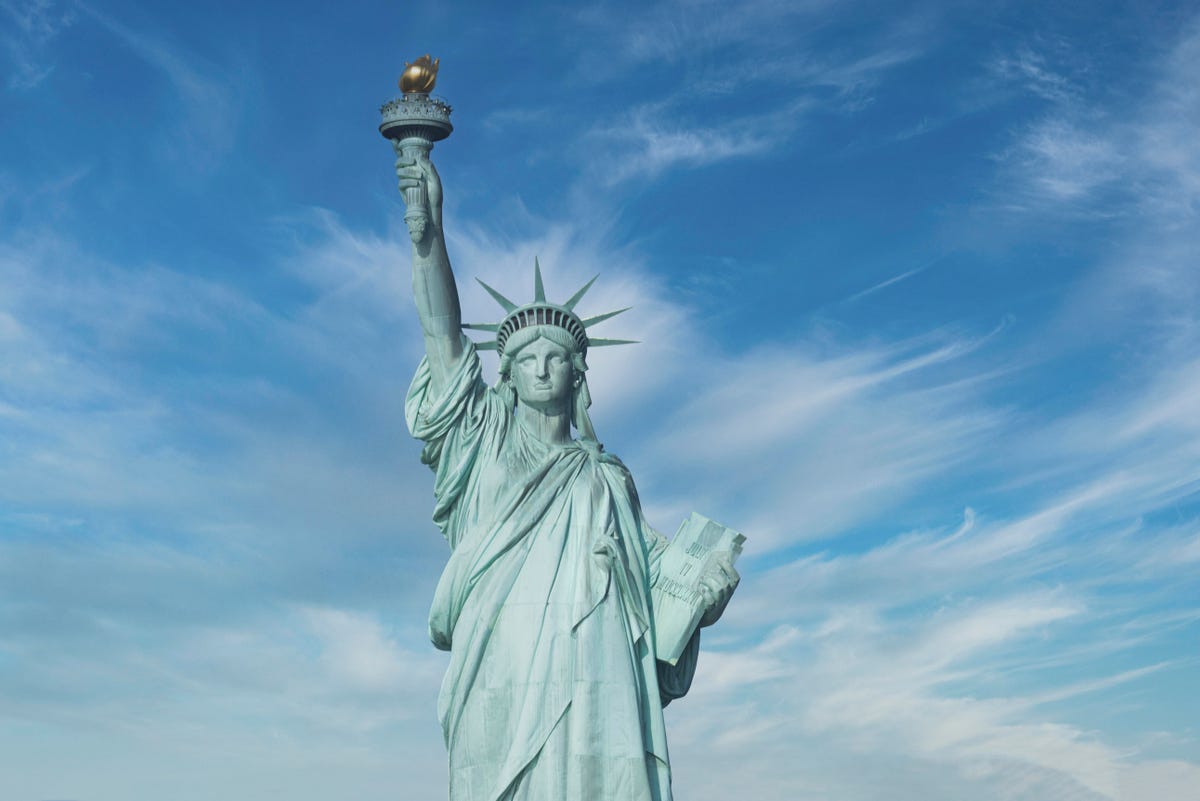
[553, 691]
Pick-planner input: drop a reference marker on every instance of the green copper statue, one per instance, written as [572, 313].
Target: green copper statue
[557, 680]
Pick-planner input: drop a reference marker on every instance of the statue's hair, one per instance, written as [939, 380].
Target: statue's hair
[581, 397]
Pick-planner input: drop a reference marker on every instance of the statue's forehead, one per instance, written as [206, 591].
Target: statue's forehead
[542, 345]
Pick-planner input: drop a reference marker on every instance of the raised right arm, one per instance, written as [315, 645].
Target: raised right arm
[434, 290]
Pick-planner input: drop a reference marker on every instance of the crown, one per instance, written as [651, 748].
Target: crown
[543, 312]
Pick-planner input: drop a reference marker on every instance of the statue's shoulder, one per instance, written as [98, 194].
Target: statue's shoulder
[615, 461]
[620, 472]
[596, 452]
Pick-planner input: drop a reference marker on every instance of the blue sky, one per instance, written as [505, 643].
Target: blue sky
[917, 289]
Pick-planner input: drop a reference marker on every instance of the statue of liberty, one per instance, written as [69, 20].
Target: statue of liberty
[553, 691]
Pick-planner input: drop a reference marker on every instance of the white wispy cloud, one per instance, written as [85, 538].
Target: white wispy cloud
[866, 682]
[801, 445]
[651, 140]
[683, 29]
[1029, 67]
[35, 24]
[871, 689]
[722, 51]
[1066, 161]
[887, 282]
[920, 651]
[1085, 155]
[726, 47]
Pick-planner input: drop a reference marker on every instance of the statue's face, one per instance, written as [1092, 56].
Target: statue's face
[543, 375]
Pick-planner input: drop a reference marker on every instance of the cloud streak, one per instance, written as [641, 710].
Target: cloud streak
[36, 23]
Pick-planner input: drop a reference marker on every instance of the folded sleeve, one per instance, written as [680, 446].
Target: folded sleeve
[674, 681]
[458, 423]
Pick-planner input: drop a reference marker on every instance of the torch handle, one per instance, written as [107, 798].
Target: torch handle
[416, 198]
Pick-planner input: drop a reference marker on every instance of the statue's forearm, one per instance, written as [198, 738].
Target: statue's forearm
[436, 297]
[434, 290]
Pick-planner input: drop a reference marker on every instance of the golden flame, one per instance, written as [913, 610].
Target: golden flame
[419, 76]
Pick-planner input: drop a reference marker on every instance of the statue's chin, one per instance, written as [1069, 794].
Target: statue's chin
[546, 406]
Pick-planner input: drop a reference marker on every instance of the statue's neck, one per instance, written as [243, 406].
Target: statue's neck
[550, 425]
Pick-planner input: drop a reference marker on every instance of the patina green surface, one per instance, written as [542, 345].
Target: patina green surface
[553, 690]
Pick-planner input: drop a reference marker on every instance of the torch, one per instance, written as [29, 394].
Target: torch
[414, 121]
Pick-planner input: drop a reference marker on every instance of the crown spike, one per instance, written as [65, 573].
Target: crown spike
[539, 291]
[542, 312]
[504, 302]
[599, 318]
[570, 304]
